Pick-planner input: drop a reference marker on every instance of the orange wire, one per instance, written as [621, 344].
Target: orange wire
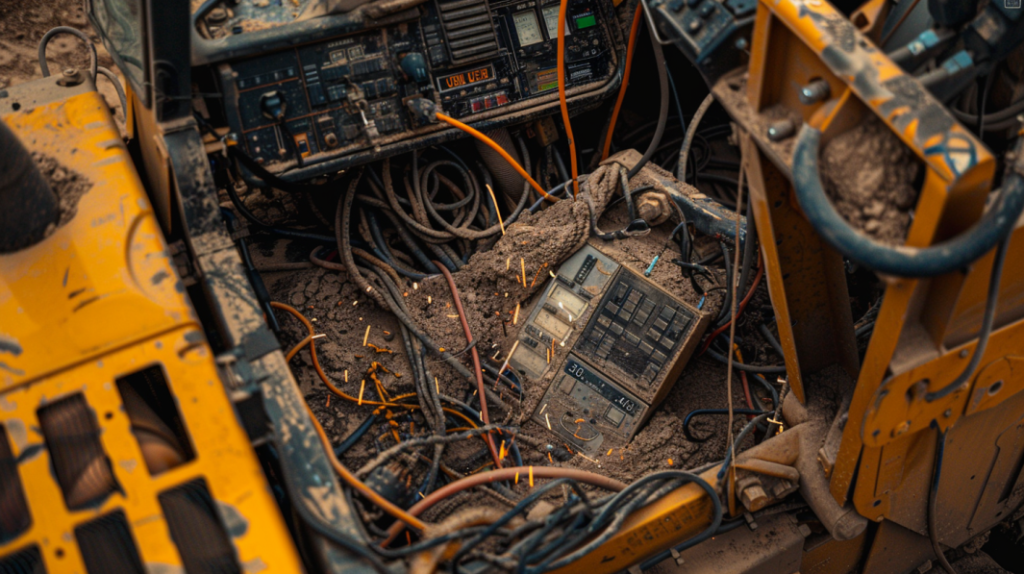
[561, 95]
[625, 80]
[504, 154]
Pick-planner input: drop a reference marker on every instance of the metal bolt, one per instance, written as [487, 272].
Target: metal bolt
[780, 130]
[814, 92]
[741, 44]
[754, 498]
[963, 354]
[70, 77]
[948, 413]
[901, 428]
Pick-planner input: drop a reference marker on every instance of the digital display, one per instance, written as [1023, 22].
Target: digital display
[606, 390]
[585, 21]
[527, 27]
[462, 79]
[551, 21]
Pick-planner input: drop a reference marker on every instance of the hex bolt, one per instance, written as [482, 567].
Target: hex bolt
[754, 497]
[814, 92]
[781, 129]
[70, 77]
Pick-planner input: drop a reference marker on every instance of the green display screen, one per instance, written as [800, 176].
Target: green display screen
[585, 21]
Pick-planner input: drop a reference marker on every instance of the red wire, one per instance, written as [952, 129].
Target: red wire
[739, 311]
[476, 362]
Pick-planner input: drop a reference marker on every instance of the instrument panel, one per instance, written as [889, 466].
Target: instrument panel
[475, 59]
[628, 341]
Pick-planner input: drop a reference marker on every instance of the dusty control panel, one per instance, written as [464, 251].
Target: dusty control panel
[628, 341]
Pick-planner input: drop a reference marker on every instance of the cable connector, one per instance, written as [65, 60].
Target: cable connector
[422, 111]
[647, 272]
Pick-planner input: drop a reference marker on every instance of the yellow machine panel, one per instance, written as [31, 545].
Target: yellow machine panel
[129, 456]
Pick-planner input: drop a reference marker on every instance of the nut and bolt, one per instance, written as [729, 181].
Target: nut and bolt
[781, 129]
[70, 77]
[814, 92]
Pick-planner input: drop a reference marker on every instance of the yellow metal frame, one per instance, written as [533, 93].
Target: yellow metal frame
[97, 300]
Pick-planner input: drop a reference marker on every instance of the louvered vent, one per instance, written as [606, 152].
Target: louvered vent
[27, 561]
[76, 453]
[14, 516]
[197, 531]
[469, 29]
[107, 546]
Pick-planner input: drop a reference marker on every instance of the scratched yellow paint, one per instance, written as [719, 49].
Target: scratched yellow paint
[97, 300]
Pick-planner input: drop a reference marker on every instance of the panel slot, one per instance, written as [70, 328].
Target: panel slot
[155, 420]
[76, 453]
[27, 561]
[107, 546]
[14, 514]
[197, 530]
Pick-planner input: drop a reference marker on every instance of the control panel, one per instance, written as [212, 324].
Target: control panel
[326, 99]
[628, 341]
[714, 34]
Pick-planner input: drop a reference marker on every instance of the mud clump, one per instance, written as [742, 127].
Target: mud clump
[869, 175]
[68, 185]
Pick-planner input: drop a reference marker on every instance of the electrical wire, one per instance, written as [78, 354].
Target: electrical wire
[477, 371]
[659, 131]
[633, 29]
[933, 496]
[739, 310]
[684, 151]
[504, 154]
[986, 325]
[563, 103]
[508, 473]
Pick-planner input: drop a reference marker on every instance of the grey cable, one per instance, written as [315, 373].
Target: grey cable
[684, 151]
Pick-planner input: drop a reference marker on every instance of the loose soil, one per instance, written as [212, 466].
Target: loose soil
[68, 185]
[874, 196]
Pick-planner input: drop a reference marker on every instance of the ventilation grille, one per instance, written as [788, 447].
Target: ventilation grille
[197, 531]
[27, 561]
[156, 422]
[469, 29]
[14, 516]
[73, 440]
[107, 546]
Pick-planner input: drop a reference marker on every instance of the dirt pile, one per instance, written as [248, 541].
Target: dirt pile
[68, 185]
[869, 175]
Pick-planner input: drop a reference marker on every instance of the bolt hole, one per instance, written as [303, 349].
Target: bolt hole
[59, 552]
[972, 476]
[876, 503]
[108, 415]
[995, 388]
[15, 106]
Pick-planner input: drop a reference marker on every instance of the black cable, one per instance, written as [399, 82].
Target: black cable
[702, 412]
[771, 340]
[766, 370]
[933, 496]
[659, 62]
[986, 325]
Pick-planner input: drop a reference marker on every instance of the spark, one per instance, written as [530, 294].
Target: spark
[366, 337]
[362, 388]
[515, 318]
[531, 476]
[546, 419]
[496, 210]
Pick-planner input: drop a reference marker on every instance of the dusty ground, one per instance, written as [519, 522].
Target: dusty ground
[23, 24]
